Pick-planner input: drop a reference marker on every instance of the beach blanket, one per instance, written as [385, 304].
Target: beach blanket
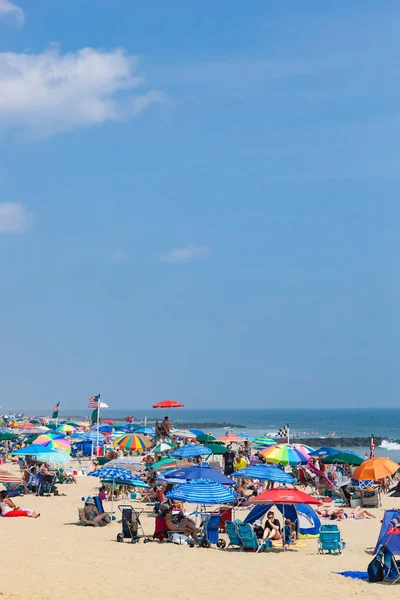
[353, 574]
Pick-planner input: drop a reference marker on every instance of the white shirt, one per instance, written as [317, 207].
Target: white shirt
[5, 508]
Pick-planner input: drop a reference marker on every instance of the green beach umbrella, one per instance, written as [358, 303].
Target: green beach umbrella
[217, 449]
[7, 436]
[264, 441]
[343, 457]
[206, 437]
[163, 447]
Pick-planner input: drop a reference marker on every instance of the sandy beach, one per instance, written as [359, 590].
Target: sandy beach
[52, 558]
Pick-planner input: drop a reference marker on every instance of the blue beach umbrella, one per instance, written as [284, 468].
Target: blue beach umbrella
[202, 491]
[191, 450]
[328, 451]
[146, 430]
[34, 450]
[59, 458]
[112, 473]
[265, 473]
[196, 432]
[197, 472]
[106, 428]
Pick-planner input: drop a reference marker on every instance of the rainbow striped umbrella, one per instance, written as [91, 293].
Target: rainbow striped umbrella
[66, 428]
[133, 441]
[54, 442]
[6, 477]
[284, 454]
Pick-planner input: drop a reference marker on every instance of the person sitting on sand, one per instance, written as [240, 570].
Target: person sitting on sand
[9, 509]
[180, 523]
[91, 515]
[272, 528]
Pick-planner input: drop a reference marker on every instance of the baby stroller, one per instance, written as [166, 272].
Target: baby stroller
[131, 525]
[211, 525]
[47, 485]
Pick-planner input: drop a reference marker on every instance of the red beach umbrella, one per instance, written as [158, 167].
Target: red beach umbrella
[168, 404]
[231, 437]
[285, 496]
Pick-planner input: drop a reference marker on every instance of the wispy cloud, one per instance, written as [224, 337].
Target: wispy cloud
[14, 218]
[49, 93]
[186, 254]
[9, 9]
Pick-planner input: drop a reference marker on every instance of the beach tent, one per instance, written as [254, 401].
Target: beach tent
[302, 515]
[390, 532]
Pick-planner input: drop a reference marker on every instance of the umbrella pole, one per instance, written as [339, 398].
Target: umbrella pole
[283, 528]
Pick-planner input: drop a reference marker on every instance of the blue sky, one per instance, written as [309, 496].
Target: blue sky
[199, 201]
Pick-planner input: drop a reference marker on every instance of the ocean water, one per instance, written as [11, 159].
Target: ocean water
[256, 422]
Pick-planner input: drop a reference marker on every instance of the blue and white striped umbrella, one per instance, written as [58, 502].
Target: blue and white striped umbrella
[265, 473]
[112, 474]
[146, 430]
[202, 491]
[191, 450]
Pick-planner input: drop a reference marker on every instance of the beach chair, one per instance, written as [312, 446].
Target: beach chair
[14, 489]
[225, 514]
[249, 539]
[330, 539]
[305, 481]
[233, 535]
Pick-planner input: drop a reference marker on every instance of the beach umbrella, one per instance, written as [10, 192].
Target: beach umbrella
[146, 430]
[163, 447]
[132, 441]
[202, 491]
[109, 421]
[264, 441]
[197, 432]
[181, 475]
[375, 469]
[72, 423]
[6, 477]
[113, 474]
[204, 438]
[343, 457]
[133, 483]
[24, 425]
[106, 428]
[58, 458]
[55, 443]
[169, 463]
[284, 454]
[34, 422]
[185, 435]
[191, 450]
[65, 428]
[265, 473]
[284, 496]
[8, 436]
[168, 404]
[230, 438]
[325, 451]
[33, 450]
[128, 463]
[217, 449]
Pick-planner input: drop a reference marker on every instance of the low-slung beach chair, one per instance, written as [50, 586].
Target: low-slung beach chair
[233, 535]
[330, 539]
[249, 539]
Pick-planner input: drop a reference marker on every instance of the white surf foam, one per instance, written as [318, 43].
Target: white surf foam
[389, 445]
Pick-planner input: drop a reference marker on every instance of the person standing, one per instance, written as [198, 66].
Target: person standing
[229, 459]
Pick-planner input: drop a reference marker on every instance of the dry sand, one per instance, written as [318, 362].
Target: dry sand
[51, 558]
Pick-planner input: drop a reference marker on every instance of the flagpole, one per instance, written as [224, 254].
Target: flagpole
[288, 434]
[98, 422]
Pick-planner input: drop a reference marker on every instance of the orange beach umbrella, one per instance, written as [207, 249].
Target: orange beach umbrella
[375, 469]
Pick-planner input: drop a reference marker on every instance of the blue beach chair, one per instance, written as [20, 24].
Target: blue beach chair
[249, 539]
[330, 539]
[233, 535]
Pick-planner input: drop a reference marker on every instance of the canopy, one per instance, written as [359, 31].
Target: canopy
[265, 473]
[285, 496]
[191, 450]
[375, 469]
[344, 457]
[389, 534]
[303, 516]
[184, 474]
[202, 491]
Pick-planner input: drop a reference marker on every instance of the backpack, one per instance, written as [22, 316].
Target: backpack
[375, 569]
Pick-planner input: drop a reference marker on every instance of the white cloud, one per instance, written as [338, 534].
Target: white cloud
[9, 9]
[186, 254]
[48, 93]
[14, 218]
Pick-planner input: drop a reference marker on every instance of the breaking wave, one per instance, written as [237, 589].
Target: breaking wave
[389, 446]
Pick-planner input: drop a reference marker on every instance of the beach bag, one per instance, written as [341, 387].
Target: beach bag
[375, 569]
[179, 538]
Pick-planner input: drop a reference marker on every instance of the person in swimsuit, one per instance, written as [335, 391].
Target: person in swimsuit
[91, 515]
[272, 528]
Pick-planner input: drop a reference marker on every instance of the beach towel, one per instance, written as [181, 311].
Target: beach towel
[353, 574]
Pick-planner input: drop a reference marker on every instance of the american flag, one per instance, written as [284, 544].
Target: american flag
[55, 409]
[94, 401]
